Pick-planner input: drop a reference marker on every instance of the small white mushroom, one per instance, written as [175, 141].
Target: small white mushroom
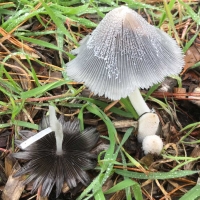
[125, 53]
[152, 144]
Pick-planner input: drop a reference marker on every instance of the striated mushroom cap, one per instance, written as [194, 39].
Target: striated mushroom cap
[46, 168]
[123, 53]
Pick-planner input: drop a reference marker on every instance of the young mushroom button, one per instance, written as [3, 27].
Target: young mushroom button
[125, 53]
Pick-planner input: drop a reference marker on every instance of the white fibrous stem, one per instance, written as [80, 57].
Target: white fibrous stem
[57, 128]
[35, 138]
[138, 102]
[148, 123]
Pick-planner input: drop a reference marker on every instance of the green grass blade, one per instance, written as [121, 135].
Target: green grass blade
[156, 175]
[129, 107]
[21, 32]
[151, 90]
[162, 104]
[10, 84]
[99, 195]
[8, 5]
[34, 75]
[190, 42]
[109, 2]
[137, 5]
[6, 125]
[124, 164]
[111, 130]
[41, 43]
[70, 2]
[124, 139]
[58, 22]
[190, 126]
[81, 118]
[16, 108]
[124, 184]
[171, 4]
[83, 21]
[25, 124]
[171, 20]
[42, 89]
[195, 65]
[191, 12]
[19, 17]
[5, 12]
[103, 105]
[7, 89]
[178, 79]
[109, 158]
[93, 10]
[192, 194]
[78, 10]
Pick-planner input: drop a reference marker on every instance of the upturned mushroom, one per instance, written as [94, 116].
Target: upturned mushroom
[60, 156]
[125, 53]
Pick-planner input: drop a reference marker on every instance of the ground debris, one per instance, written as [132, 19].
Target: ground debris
[14, 186]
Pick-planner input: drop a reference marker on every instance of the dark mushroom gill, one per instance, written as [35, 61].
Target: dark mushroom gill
[45, 168]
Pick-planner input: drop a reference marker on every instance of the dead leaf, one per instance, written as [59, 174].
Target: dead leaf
[192, 56]
[195, 153]
[118, 195]
[4, 138]
[167, 146]
[125, 123]
[65, 188]
[9, 162]
[107, 185]
[147, 160]
[31, 54]
[14, 186]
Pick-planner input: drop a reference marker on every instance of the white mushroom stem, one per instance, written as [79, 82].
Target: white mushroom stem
[138, 102]
[35, 138]
[148, 123]
[55, 126]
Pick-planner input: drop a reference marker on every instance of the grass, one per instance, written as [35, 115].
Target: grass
[39, 35]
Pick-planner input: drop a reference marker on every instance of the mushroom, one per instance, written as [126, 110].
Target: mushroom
[61, 156]
[125, 53]
[152, 144]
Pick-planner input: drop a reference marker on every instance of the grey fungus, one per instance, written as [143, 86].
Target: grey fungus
[124, 53]
[50, 165]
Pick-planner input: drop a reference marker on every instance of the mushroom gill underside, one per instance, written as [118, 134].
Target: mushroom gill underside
[46, 169]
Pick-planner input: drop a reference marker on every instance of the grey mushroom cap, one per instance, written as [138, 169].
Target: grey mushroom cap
[123, 53]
